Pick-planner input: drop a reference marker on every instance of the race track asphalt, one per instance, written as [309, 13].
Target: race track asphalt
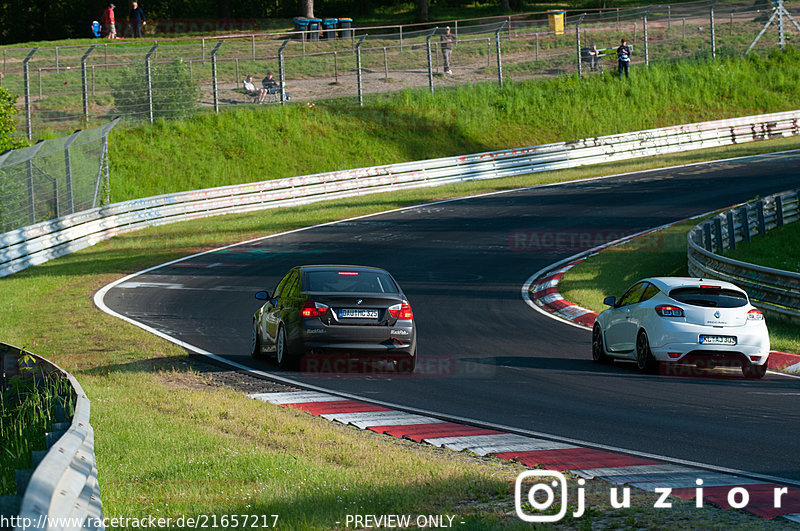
[484, 354]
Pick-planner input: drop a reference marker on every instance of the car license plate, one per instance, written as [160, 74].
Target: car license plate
[358, 313]
[717, 340]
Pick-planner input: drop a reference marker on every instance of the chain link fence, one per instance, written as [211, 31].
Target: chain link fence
[69, 86]
[54, 178]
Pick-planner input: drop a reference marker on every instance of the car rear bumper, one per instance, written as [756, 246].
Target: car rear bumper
[396, 341]
[682, 344]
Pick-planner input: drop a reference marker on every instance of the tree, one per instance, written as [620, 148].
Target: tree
[422, 11]
[7, 122]
[307, 8]
[505, 6]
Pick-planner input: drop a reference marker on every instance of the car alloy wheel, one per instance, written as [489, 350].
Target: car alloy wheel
[644, 358]
[598, 353]
[285, 359]
[255, 342]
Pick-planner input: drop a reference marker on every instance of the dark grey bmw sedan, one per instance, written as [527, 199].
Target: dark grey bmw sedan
[328, 309]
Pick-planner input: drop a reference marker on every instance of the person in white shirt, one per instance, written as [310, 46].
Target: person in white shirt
[252, 91]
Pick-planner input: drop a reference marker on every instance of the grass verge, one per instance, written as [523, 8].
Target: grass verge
[272, 141]
[777, 249]
[170, 443]
[662, 253]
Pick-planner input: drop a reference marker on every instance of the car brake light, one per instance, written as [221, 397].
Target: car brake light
[665, 310]
[755, 315]
[401, 311]
[710, 287]
[313, 309]
[674, 354]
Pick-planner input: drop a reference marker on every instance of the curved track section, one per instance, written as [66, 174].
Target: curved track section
[485, 354]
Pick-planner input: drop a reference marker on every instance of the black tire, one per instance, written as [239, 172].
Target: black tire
[645, 361]
[598, 350]
[285, 358]
[406, 365]
[255, 343]
[754, 372]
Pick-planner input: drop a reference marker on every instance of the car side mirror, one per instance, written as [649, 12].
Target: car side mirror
[262, 295]
[610, 301]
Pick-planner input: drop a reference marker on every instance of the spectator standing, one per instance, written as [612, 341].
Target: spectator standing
[136, 19]
[594, 57]
[109, 24]
[447, 41]
[623, 58]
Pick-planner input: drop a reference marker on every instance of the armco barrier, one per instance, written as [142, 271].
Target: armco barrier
[772, 290]
[63, 492]
[41, 242]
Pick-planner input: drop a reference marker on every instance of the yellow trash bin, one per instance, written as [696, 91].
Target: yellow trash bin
[556, 20]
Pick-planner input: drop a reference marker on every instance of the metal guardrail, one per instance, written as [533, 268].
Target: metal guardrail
[773, 290]
[63, 491]
[41, 242]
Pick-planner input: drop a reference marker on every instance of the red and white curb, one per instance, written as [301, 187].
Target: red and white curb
[546, 296]
[616, 468]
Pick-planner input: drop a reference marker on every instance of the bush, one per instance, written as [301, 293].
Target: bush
[174, 92]
[7, 123]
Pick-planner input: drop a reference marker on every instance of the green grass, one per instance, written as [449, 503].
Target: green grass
[267, 142]
[170, 443]
[663, 253]
[777, 249]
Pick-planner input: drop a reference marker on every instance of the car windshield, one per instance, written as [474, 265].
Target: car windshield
[349, 282]
[709, 298]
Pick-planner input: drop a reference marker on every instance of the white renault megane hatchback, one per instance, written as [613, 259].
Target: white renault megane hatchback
[707, 323]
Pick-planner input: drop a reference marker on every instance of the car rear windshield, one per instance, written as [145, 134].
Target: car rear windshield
[709, 298]
[349, 282]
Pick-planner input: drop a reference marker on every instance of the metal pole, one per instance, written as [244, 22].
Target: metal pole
[58, 68]
[237, 69]
[617, 20]
[684, 28]
[358, 67]
[430, 62]
[27, 89]
[781, 35]
[281, 71]
[335, 66]
[203, 44]
[760, 33]
[577, 45]
[537, 45]
[68, 172]
[669, 17]
[385, 66]
[40, 83]
[646, 49]
[499, 61]
[254, 50]
[401, 38]
[214, 84]
[93, 87]
[31, 201]
[488, 51]
[713, 34]
[148, 75]
[85, 85]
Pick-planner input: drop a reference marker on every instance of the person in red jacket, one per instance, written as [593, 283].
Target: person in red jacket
[109, 25]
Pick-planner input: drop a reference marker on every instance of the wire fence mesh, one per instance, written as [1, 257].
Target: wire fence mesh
[54, 178]
[76, 86]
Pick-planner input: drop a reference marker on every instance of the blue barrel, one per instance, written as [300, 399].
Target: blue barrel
[300, 24]
[345, 24]
[314, 25]
[329, 28]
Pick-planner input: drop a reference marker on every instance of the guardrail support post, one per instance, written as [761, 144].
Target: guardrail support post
[358, 68]
[149, 77]
[214, 84]
[717, 234]
[779, 211]
[27, 88]
[281, 71]
[497, 48]
[731, 231]
[578, 45]
[84, 85]
[707, 237]
[744, 219]
[762, 226]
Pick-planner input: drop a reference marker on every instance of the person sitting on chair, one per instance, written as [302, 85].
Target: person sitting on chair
[259, 95]
[270, 84]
